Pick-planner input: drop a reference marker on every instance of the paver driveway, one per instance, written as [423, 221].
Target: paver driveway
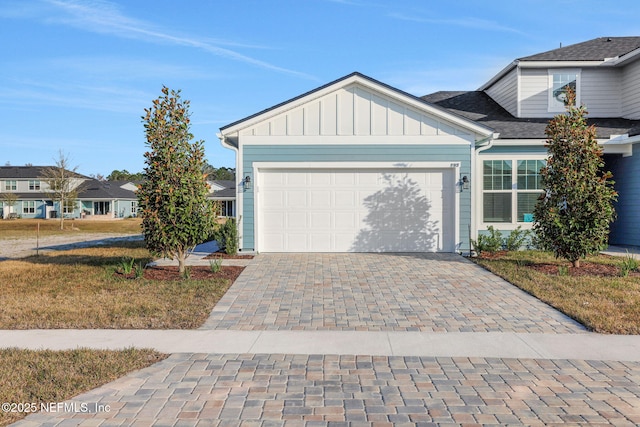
[374, 292]
[440, 293]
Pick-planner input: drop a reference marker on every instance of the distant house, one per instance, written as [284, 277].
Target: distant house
[357, 165]
[96, 199]
[224, 192]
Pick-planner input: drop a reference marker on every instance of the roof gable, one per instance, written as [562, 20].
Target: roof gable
[355, 105]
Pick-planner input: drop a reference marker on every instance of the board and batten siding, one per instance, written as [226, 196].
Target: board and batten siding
[429, 152]
[600, 92]
[625, 230]
[631, 91]
[352, 110]
[505, 92]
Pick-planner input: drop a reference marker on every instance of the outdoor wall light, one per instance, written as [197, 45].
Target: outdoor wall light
[465, 183]
[247, 182]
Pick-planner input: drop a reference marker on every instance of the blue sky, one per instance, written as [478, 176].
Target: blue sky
[76, 75]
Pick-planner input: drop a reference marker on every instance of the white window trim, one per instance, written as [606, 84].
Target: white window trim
[11, 185]
[232, 205]
[69, 209]
[27, 206]
[35, 183]
[551, 105]
[514, 190]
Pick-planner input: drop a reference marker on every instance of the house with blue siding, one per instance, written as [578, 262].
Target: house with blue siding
[95, 199]
[357, 165]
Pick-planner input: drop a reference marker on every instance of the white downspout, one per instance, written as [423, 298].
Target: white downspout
[476, 194]
[239, 195]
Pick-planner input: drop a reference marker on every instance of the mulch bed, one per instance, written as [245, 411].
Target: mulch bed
[585, 269]
[225, 255]
[197, 273]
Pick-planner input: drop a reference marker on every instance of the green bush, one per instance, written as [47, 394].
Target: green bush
[227, 236]
[491, 242]
[215, 265]
[516, 239]
[629, 263]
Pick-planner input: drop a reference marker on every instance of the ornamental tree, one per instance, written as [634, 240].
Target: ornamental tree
[572, 218]
[176, 214]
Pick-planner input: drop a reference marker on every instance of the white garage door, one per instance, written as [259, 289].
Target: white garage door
[356, 210]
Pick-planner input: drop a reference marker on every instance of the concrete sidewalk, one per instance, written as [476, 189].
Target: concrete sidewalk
[585, 346]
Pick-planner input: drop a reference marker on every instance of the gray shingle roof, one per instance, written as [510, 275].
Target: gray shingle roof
[478, 106]
[591, 50]
[228, 192]
[27, 172]
[94, 189]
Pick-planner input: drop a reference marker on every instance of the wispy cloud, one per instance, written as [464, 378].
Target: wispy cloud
[103, 17]
[28, 93]
[468, 22]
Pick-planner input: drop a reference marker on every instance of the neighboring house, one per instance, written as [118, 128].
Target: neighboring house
[95, 198]
[357, 165]
[224, 192]
[110, 199]
[518, 103]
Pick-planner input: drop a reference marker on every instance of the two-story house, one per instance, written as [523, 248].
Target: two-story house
[358, 165]
[518, 103]
[30, 198]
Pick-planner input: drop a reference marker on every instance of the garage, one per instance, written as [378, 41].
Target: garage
[356, 209]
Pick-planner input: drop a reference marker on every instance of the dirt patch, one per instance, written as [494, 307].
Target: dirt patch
[224, 255]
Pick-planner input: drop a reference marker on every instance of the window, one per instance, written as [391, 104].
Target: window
[69, 207]
[559, 82]
[529, 188]
[226, 208]
[507, 195]
[497, 191]
[29, 207]
[34, 185]
[11, 185]
[134, 208]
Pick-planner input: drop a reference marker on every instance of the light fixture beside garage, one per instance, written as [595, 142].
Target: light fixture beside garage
[247, 183]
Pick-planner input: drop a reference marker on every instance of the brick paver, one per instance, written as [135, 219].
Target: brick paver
[266, 390]
[380, 292]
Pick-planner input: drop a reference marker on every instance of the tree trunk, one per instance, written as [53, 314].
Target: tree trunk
[181, 255]
[61, 214]
[576, 263]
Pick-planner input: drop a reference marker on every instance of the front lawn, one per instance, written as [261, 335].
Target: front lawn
[26, 228]
[31, 378]
[596, 294]
[84, 288]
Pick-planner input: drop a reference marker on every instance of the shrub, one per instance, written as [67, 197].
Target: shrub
[491, 242]
[215, 265]
[139, 271]
[516, 239]
[227, 236]
[127, 265]
[629, 263]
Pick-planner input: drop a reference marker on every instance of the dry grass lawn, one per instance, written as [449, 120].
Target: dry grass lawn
[26, 228]
[605, 303]
[79, 289]
[46, 377]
